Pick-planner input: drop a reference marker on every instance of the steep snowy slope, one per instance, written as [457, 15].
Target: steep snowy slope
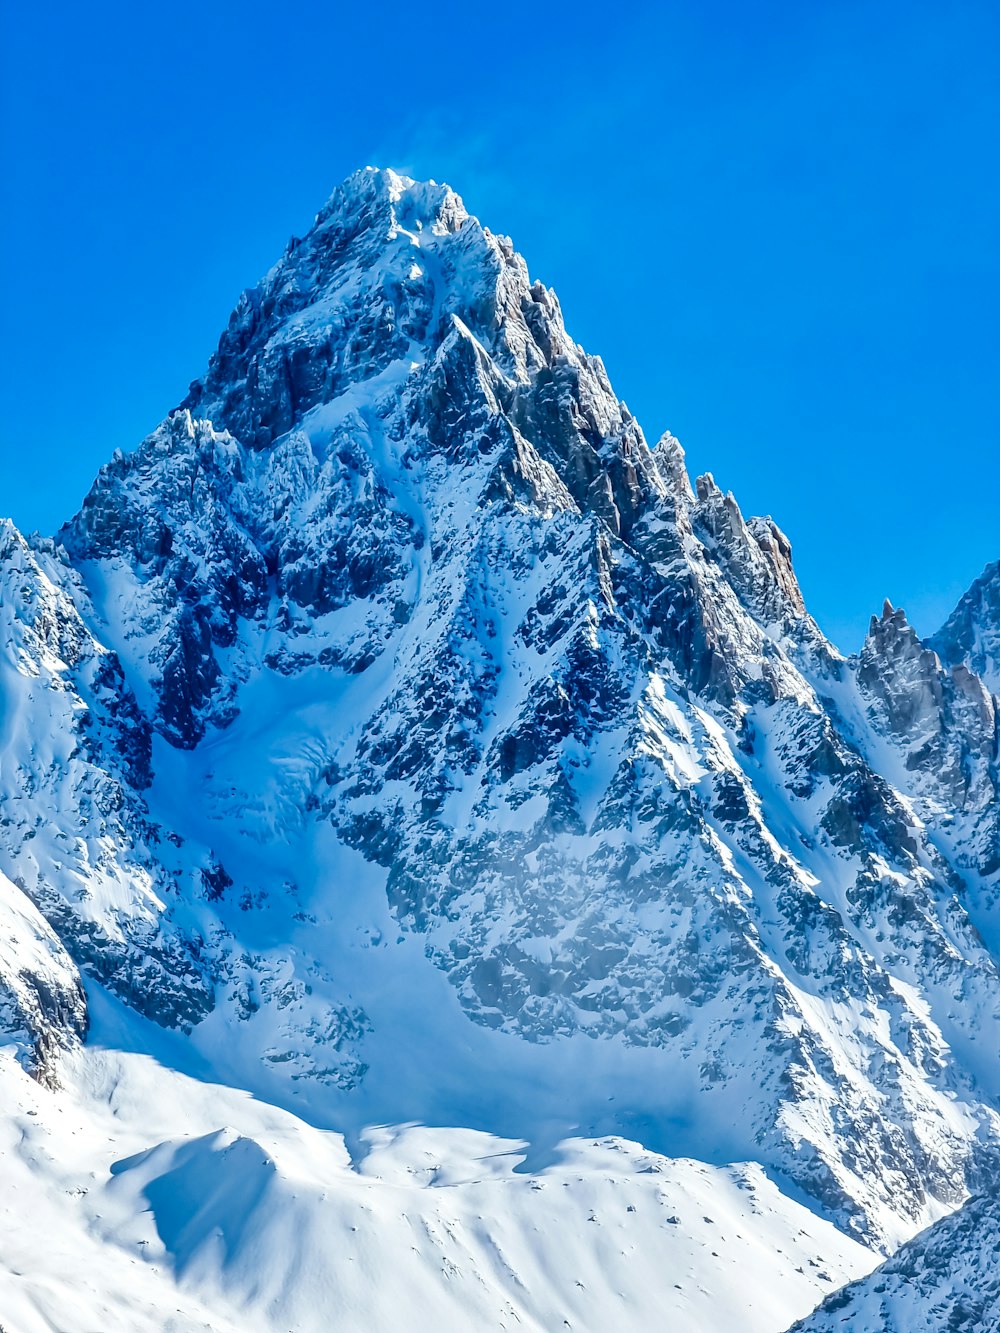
[948, 1277]
[410, 742]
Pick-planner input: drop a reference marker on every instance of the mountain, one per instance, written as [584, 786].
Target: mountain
[396, 737]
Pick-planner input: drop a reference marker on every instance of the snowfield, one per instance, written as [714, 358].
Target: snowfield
[167, 1203]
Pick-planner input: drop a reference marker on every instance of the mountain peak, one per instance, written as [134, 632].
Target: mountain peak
[406, 203]
[971, 634]
[389, 268]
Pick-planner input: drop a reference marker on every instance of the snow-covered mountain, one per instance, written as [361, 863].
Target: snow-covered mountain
[396, 737]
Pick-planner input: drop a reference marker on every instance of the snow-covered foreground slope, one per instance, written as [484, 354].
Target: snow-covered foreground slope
[394, 738]
[168, 1203]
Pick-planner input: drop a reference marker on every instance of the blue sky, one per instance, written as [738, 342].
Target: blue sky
[777, 223]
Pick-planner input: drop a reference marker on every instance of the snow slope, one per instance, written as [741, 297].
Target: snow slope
[157, 1201]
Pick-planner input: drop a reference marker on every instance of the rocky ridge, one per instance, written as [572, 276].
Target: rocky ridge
[945, 1278]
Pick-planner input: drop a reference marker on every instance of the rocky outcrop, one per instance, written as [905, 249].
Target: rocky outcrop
[941, 722]
[75, 839]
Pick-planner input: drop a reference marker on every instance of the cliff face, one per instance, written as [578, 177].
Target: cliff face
[400, 597]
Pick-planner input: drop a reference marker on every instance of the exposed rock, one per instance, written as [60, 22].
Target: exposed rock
[42, 1004]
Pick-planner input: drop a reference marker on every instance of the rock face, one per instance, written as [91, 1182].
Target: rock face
[941, 722]
[75, 841]
[42, 1004]
[403, 574]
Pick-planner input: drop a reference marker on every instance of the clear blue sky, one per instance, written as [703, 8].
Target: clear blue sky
[777, 223]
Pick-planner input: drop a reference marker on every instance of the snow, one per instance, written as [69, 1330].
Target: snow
[167, 1202]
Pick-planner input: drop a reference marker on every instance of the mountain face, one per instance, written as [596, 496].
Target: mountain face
[395, 735]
